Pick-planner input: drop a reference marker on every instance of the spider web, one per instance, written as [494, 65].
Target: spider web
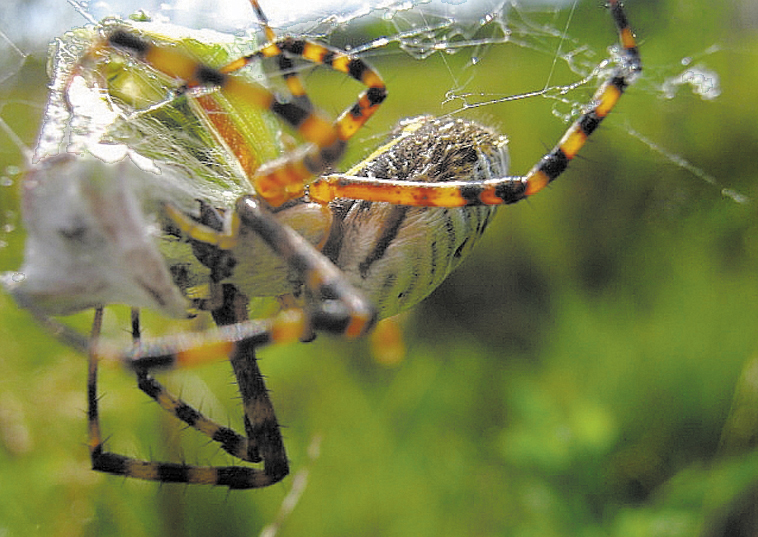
[459, 36]
[462, 43]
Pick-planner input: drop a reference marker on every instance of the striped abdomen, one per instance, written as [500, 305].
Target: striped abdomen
[395, 254]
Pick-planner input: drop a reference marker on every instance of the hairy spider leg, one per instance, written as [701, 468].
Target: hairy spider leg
[261, 425]
[354, 117]
[229, 440]
[295, 87]
[234, 477]
[340, 309]
[503, 190]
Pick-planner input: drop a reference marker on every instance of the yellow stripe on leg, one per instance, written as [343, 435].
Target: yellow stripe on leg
[225, 240]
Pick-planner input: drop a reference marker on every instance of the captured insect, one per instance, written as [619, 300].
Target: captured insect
[176, 193]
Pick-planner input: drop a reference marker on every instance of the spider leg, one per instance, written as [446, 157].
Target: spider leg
[261, 426]
[294, 85]
[229, 440]
[282, 179]
[503, 190]
[234, 477]
[351, 119]
[339, 309]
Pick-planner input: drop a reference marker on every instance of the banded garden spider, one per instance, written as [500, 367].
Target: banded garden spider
[439, 181]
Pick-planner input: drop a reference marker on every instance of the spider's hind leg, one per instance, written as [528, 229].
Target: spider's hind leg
[261, 426]
[335, 306]
[235, 477]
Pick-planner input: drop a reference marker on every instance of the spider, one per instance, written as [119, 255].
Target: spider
[338, 250]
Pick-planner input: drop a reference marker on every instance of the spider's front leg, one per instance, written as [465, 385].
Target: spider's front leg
[420, 192]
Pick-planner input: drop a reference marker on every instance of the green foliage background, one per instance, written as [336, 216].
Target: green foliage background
[590, 370]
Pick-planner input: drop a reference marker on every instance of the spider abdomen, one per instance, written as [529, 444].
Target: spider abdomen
[397, 255]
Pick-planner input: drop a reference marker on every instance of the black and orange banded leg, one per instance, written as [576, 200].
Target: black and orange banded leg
[282, 179]
[336, 308]
[267, 449]
[285, 64]
[352, 118]
[503, 190]
[355, 116]
[228, 439]
[269, 185]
